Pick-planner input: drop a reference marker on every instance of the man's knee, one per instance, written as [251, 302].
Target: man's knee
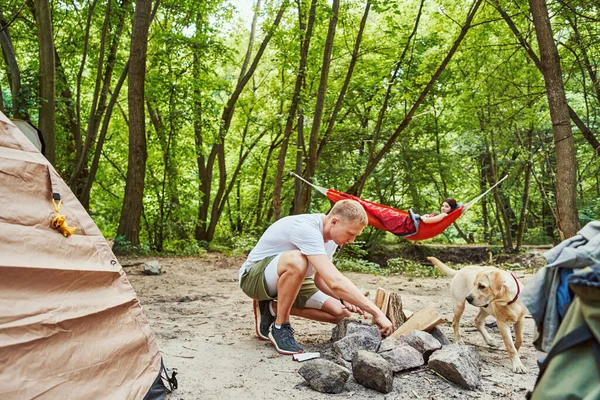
[293, 261]
[340, 313]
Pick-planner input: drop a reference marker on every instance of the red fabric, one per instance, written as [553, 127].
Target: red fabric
[397, 221]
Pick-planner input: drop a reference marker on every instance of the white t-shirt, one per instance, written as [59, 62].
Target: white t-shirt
[302, 232]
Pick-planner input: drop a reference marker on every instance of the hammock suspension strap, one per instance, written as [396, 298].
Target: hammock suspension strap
[476, 199]
[318, 188]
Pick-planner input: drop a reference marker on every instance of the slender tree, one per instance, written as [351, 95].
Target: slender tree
[47, 76]
[564, 146]
[129, 225]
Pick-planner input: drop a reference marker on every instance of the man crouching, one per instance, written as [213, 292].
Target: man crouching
[290, 272]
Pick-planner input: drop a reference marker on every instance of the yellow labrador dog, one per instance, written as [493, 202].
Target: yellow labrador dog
[496, 293]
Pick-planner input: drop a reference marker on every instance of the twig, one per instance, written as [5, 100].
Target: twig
[415, 393]
[133, 264]
[189, 348]
[442, 377]
[174, 355]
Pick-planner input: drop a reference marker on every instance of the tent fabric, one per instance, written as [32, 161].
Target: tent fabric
[71, 325]
[394, 220]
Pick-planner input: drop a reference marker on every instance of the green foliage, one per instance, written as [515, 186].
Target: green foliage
[235, 245]
[123, 246]
[590, 211]
[474, 123]
[411, 268]
[188, 247]
[359, 265]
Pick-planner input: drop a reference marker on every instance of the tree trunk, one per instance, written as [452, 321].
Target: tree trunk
[78, 179]
[85, 195]
[306, 35]
[527, 184]
[129, 225]
[301, 192]
[484, 166]
[205, 229]
[47, 76]
[313, 143]
[263, 182]
[340, 99]
[358, 186]
[384, 106]
[14, 74]
[564, 144]
[585, 131]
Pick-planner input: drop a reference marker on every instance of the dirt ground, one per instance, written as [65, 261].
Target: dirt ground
[204, 326]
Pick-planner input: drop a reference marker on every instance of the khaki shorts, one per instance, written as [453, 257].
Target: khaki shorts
[253, 283]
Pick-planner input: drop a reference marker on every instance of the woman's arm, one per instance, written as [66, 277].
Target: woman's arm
[429, 220]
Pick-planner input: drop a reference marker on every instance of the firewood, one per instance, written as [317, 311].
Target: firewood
[379, 297]
[386, 303]
[422, 320]
[394, 312]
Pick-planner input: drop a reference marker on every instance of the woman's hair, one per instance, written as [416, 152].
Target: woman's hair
[349, 210]
[451, 202]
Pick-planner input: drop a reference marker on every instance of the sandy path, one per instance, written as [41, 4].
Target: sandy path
[203, 323]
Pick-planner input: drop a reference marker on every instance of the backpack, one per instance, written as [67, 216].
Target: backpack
[572, 368]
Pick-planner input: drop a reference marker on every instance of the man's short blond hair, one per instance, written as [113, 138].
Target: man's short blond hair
[350, 211]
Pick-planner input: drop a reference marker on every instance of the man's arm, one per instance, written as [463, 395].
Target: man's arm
[342, 287]
[320, 283]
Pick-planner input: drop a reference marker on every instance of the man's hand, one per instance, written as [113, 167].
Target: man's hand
[385, 325]
[355, 309]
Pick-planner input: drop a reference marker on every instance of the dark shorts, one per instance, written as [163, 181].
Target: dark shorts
[253, 283]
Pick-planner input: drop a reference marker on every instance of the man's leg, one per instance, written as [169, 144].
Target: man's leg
[291, 269]
[331, 311]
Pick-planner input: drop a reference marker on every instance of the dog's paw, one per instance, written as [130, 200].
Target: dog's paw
[519, 368]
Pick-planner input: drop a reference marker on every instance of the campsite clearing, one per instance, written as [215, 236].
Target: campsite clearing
[204, 326]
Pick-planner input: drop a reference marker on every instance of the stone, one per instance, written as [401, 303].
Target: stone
[421, 341]
[367, 329]
[348, 346]
[403, 357]
[324, 376]
[437, 333]
[372, 371]
[152, 267]
[341, 329]
[459, 364]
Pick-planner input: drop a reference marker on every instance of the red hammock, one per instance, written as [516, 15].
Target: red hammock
[388, 218]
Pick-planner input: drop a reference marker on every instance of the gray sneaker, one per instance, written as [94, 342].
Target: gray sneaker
[283, 339]
[262, 319]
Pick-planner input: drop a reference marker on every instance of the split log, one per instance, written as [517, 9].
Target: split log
[394, 312]
[422, 320]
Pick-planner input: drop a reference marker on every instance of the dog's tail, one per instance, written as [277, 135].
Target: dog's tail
[442, 267]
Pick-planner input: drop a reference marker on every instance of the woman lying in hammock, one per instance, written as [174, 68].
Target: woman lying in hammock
[407, 224]
[448, 206]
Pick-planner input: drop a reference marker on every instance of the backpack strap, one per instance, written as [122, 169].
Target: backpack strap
[574, 338]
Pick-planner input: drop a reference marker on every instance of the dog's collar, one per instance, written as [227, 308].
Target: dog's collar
[518, 290]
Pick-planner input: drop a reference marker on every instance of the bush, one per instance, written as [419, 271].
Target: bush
[358, 265]
[411, 268]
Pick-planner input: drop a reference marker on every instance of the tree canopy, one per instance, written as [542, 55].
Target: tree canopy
[176, 123]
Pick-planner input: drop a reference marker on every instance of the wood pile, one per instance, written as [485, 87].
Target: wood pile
[391, 305]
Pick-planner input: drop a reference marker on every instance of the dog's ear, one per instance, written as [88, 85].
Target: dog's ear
[497, 284]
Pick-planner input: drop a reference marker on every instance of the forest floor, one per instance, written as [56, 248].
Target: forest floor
[204, 326]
